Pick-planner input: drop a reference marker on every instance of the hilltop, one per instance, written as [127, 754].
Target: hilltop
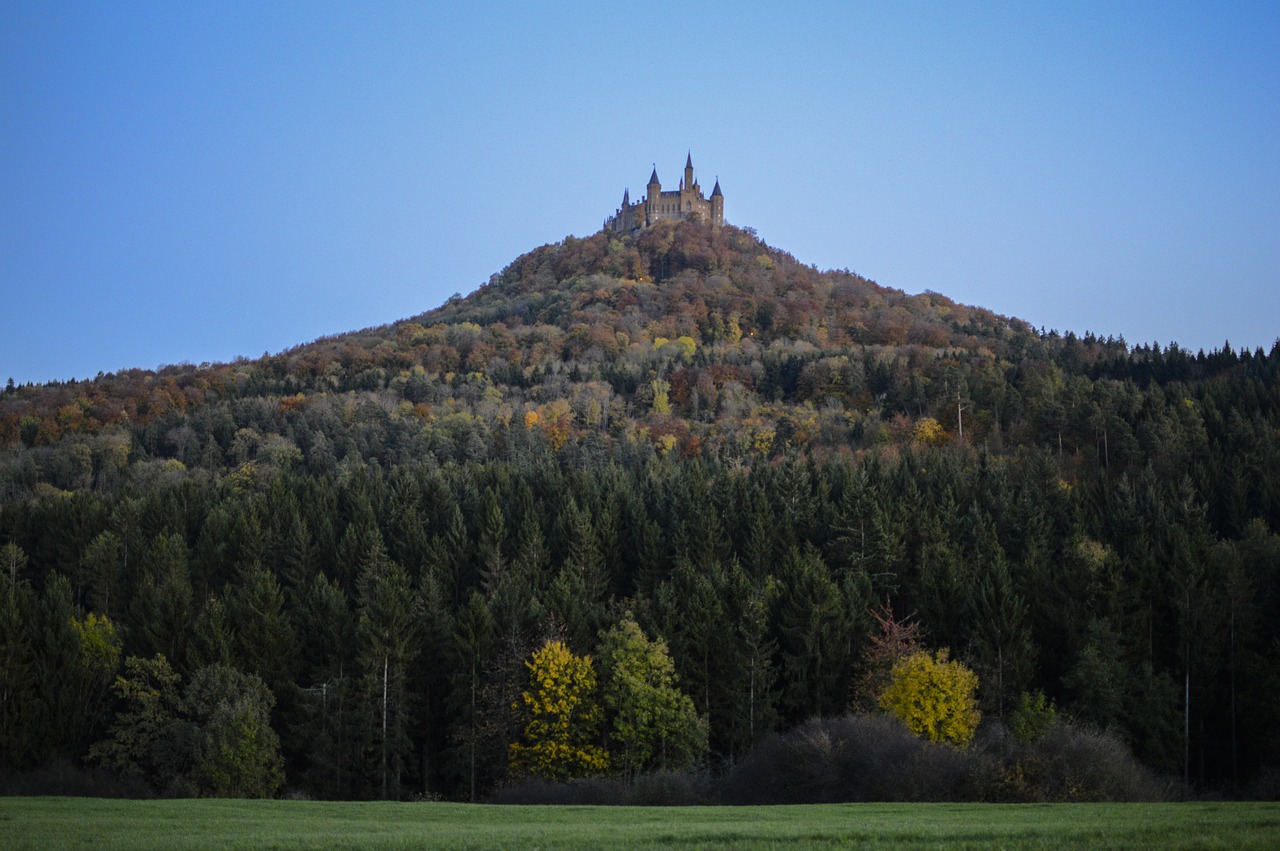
[707, 308]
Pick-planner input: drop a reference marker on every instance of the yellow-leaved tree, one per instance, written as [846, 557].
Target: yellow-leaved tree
[934, 697]
[564, 717]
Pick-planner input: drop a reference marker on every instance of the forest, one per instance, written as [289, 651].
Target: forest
[697, 475]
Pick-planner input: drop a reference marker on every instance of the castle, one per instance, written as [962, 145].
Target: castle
[659, 206]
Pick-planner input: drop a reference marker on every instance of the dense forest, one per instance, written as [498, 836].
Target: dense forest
[685, 444]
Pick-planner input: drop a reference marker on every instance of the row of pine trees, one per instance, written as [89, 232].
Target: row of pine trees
[390, 615]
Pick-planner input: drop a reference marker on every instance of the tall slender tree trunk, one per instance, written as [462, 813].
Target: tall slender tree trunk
[1186, 732]
[385, 667]
[472, 737]
[1235, 752]
[1000, 680]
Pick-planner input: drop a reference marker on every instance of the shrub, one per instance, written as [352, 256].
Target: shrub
[855, 758]
[1072, 762]
[1266, 785]
[63, 777]
[1033, 717]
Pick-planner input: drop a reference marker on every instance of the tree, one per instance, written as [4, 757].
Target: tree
[811, 625]
[564, 718]
[1098, 677]
[20, 680]
[214, 739]
[101, 567]
[651, 723]
[326, 627]
[146, 741]
[162, 609]
[212, 639]
[235, 752]
[265, 642]
[1033, 716]
[750, 670]
[13, 561]
[387, 631]
[890, 641]
[934, 697]
[1003, 639]
[99, 659]
[472, 644]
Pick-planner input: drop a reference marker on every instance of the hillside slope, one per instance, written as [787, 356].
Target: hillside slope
[746, 454]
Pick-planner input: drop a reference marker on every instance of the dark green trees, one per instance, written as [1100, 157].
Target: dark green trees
[212, 739]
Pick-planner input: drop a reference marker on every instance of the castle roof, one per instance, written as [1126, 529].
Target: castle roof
[716, 191]
[688, 160]
[653, 178]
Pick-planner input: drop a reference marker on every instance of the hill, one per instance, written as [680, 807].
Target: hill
[748, 454]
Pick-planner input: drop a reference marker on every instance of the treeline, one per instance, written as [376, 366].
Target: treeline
[430, 585]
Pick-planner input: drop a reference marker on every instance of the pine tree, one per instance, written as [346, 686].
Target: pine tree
[387, 635]
[472, 646]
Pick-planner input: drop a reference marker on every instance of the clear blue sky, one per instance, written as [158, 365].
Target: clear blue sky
[197, 181]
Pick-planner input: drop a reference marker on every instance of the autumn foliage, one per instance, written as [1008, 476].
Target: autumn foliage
[564, 717]
[934, 696]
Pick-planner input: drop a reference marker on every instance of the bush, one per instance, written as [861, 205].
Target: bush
[1072, 762]
[68, 779]
[1266, 785]
[873, 758]
[855, 758]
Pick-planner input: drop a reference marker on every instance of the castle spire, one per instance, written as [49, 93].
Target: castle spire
[716, 191]
[626, 197]
[688, 160]
[653, 178]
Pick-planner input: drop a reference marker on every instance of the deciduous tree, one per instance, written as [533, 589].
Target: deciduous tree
[651, 723]
[560, 738]
[934, 697]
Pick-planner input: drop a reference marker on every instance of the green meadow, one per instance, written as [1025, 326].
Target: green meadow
[218, 824]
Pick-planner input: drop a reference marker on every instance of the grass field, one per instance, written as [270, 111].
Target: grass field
[105, 824]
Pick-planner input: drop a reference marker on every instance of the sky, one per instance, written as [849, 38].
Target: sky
[192, 182]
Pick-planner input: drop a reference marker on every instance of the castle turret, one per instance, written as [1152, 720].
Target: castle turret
[655, 195]
[717, 205]
[688, 172]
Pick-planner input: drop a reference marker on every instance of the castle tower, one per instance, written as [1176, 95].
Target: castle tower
[717, 205]
[653, 198]
[688, 172]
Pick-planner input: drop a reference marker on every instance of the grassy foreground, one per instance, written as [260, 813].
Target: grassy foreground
[105, 824]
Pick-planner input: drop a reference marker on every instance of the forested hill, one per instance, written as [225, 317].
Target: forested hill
[370, 534]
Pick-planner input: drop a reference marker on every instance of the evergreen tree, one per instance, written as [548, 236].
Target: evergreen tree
[472, 646]
[387, 635]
